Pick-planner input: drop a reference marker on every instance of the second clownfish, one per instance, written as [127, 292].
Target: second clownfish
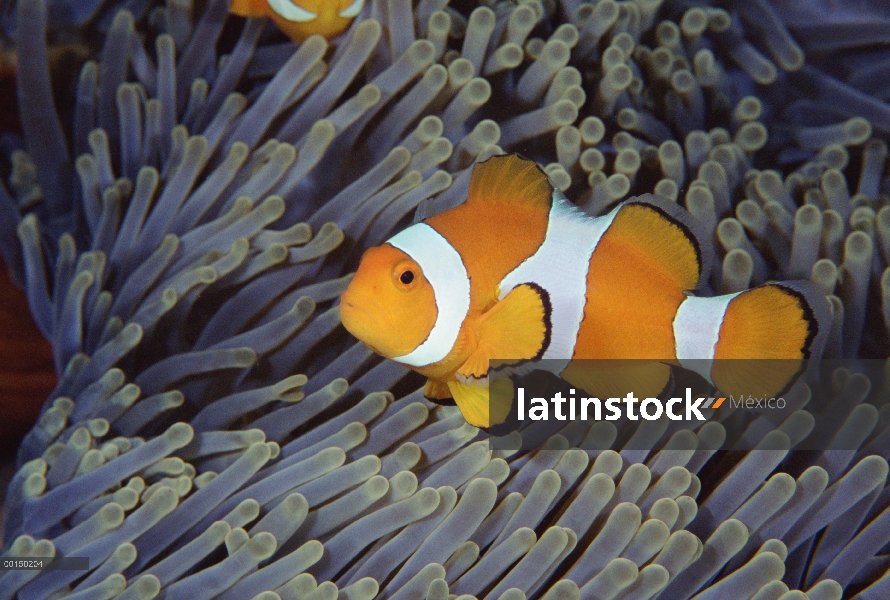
[518, 273]
[299, 19]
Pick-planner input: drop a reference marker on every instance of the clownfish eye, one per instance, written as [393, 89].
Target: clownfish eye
[407, 277]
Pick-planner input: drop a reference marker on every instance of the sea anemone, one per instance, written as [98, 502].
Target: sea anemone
[184, 227]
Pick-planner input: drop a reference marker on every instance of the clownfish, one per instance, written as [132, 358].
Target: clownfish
[299, 19]
[517, 272]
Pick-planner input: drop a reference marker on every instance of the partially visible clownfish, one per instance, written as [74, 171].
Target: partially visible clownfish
[518, 273]
[299, 19]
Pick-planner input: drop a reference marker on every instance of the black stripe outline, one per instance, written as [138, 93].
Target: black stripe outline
[808, 314]
[548, 312]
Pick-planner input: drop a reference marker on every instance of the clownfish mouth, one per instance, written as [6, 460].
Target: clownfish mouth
[347, 319]
[349, 312]
[356, 319]
[349, 305]
[353, 306]
[356, 311]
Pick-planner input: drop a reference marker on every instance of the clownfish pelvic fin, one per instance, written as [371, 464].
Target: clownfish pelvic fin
[438, 392]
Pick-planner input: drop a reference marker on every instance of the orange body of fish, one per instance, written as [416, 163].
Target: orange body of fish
[519, 273]
[299, 19]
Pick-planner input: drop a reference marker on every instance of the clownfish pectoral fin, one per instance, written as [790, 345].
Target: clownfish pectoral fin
[515, 329]
[771, 330]
[616, 378]
[510, 179]
[667, 238]
[475, 404]
[438, 392]
[249, 8]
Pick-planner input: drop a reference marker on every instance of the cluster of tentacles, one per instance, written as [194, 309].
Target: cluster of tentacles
[186, 217]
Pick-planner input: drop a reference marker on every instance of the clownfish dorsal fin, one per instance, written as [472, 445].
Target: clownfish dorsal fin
[660, 232]
[510, 179]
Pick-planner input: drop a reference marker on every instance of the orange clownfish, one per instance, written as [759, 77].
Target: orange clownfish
[517, 272]
[299, 19]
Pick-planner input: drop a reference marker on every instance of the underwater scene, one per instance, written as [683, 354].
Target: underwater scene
[264, 260]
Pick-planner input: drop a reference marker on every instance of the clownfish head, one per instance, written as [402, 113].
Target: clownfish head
[389, 304]
[301, 18]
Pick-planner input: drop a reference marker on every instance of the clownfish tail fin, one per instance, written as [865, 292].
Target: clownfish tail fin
[788, 320]
[760, 338]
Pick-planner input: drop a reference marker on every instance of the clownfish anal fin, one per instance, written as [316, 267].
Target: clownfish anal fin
[249, 8]
[473, 399]
[438, 392]
[515, 329]
[449, 401]
[615, 378]
[510, 179]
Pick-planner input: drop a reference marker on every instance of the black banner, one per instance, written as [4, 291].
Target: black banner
[814, 405]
